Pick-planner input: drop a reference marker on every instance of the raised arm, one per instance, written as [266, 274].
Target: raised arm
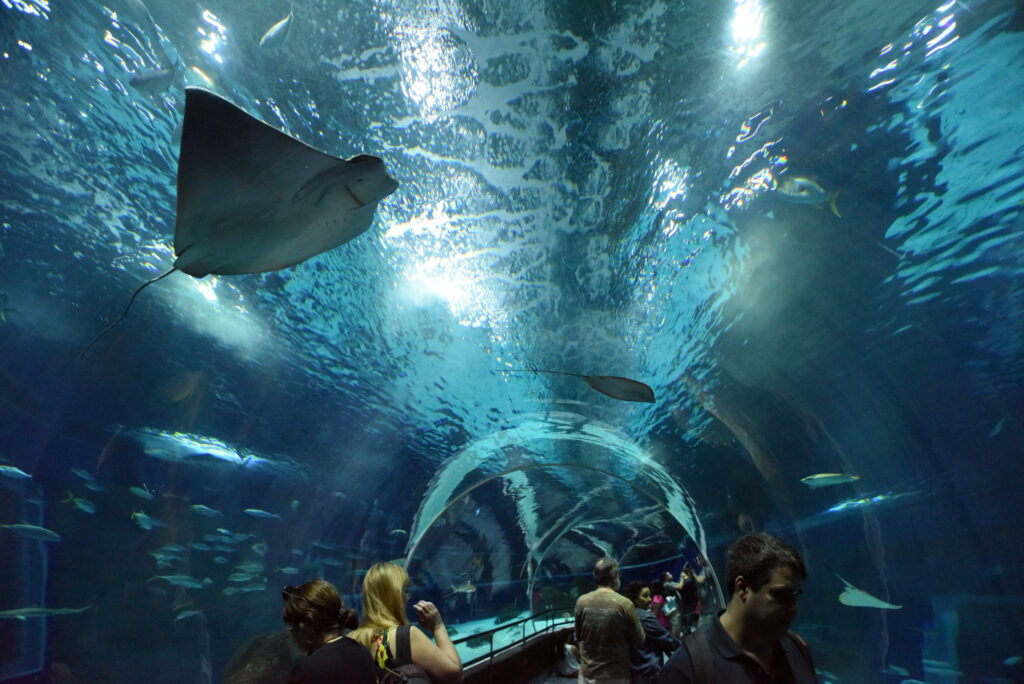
[442, 661]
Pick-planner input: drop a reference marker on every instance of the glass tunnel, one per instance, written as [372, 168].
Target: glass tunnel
[799, 224]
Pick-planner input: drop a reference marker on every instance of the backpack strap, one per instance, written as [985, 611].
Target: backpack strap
[698, 646]
[403, 647]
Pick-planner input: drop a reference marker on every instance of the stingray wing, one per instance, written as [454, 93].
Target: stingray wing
[859, 598]
[622, 389]
[253, 199]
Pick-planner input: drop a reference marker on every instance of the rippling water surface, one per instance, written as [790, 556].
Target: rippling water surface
[594, 188]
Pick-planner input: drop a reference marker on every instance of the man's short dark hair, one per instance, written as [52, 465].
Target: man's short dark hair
[605, 570]
[754, 556]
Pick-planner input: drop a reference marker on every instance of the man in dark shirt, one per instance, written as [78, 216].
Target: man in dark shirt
[750, 640]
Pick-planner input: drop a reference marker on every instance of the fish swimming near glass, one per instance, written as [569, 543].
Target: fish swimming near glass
[33, 532]
[146, 522]
[260, 513]
[828, 479]
[806, 191]
[252, 199]
[277, 34]
[81, 503]
[141, 493]
[623, 389]
[154, 81]
[466, 587]
[36, 611]
[14, 473]
[183, 581]
[858, 598]
[83, 474]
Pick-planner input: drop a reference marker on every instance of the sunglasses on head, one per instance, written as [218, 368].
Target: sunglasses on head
[289, 592]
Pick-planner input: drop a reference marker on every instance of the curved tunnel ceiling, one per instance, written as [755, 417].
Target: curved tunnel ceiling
[596, 188]
[597, 474]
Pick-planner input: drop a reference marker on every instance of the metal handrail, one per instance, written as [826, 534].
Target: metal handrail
[548, 615]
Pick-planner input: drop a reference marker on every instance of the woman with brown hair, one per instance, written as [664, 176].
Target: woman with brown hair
[319, 621]
[386, 632]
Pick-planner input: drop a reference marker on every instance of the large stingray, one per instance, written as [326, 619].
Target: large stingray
[858, 598]
[252, 199]
[623, 389]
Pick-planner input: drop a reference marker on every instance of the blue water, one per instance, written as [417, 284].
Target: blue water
[585, 187]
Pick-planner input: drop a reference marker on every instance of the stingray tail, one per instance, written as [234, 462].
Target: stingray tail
[125, 313]
[539, 370]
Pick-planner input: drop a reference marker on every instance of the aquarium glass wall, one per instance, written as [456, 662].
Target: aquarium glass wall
[799, 226]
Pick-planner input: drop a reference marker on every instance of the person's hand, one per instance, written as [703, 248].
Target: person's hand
[428, 615]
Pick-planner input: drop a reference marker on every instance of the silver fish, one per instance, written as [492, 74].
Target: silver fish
[14, 473]
[828, 479]
[205, 510]
[33, 532]
[146, 522]
[153, 81]
[36, 611]
[260, 513]
[182, 581]
[84, 474]
[141, 493]
[466, 587]
[80, 503]
[806, 191]
[163, 560]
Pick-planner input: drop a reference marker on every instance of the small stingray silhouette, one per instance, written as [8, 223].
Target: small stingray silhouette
[858, 598]
[614, 386]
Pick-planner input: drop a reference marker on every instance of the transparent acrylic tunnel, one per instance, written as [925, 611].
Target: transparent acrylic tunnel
[801, 224]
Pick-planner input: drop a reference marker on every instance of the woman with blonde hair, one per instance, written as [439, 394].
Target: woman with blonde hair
[386, 632]
[319, 620]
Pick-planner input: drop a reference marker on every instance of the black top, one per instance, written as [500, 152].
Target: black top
[689, 596]
[343, 660]
[791, 664]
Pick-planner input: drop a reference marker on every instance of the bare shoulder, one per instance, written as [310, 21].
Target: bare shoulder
[427, 655]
